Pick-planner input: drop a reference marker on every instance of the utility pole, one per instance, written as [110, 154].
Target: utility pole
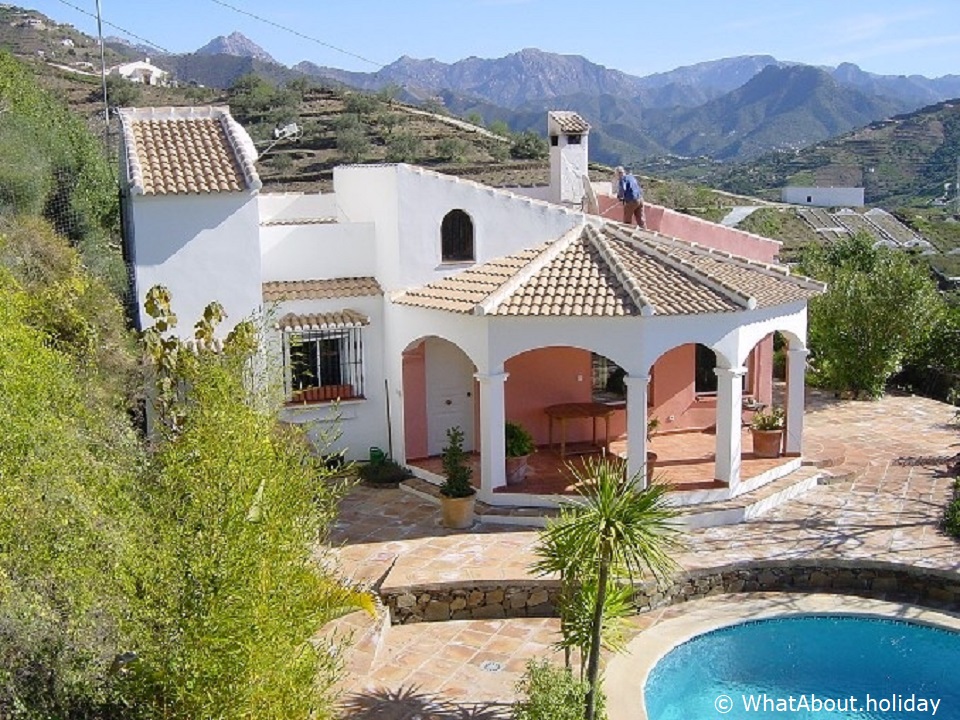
[103, 83]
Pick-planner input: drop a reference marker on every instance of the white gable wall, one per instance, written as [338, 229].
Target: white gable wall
[408, 205]
[203, 248]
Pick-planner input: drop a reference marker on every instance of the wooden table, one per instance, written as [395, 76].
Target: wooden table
[581, 410]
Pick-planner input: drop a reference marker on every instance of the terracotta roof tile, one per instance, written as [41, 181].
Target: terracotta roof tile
[607, 272]
[280, 290]
[187, 151]
[322, 321]
[569, 122]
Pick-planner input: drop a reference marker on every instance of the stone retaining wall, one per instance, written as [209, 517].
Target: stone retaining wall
[533, 598]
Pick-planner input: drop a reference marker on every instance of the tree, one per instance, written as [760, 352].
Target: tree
[352, 144]
[499, 127]
[403, 146]
[879, 308]
[613, 531]
[120, 91]
[528, 146]
[451, 149]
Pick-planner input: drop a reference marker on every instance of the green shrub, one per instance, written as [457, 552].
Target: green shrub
[951, 515]
[528, 146]
[519, 441]
[456, 467]
[387, 472]
[549, 692]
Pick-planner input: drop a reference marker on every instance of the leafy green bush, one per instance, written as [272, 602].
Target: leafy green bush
[951, 515]
[456, 467]
[403, 146]
[385, 473]
[68, 528]
[878, 310]
[519, 441]
[528, 146]
[549, 692]
[235, 506]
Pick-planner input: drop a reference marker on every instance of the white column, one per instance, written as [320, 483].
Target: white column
[637, 426]
[493, 450]
[729, 420]
[796, 372]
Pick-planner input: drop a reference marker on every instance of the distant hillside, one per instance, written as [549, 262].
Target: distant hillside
[222, 71]
[238, 45]
[904, 159]
[779, 108]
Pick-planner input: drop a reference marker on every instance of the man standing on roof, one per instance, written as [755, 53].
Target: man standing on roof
[630, 194]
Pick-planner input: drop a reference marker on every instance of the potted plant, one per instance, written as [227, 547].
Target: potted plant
[652, 425]
[519, 446]
[766, 429]
[457, 495]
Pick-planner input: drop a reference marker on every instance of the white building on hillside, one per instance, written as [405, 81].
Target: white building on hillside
[142, 71]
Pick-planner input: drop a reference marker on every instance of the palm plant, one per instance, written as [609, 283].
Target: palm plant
[613, 531]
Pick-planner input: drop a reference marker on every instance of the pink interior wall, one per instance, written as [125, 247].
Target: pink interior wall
[762, 371]
[673, 388]
[415, 402]
[549, 376]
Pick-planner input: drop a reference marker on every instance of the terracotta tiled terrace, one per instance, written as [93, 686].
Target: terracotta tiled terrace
[884, 504]
[685, 460]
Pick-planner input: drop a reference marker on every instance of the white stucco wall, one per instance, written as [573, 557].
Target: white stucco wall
[537, 192]
[361, 423]
[203, 248]
[408, 204]
[287, 206]
[318, 251]
[823, 196]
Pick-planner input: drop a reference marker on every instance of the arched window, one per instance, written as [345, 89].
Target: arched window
[456, 237]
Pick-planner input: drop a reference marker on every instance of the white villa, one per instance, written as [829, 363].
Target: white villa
[142, 71]
[424, 301]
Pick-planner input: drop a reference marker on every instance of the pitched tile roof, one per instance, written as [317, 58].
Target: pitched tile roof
[609, 271]
[187, 151]
[338, 319]
[280, 290]
[569, 122]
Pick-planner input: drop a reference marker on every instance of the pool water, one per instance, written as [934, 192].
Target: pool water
[819, 666]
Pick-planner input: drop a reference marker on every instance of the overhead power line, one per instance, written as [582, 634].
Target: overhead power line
[299, 34]
[115, 27]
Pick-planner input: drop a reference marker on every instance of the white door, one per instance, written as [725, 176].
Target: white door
[450, 400]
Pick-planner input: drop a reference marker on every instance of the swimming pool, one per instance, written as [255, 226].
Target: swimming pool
[810, 666]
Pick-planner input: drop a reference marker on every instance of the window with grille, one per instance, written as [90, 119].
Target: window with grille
[456, 237]
[324, 365]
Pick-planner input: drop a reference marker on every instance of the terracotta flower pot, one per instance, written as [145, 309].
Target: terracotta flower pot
[767, 443]
[457, 513]
[517, 469]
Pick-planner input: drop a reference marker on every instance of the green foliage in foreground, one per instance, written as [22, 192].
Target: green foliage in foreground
[235, 504]
[548, 692]
[878, 310]
[951, 515]
[52, 166]
[67, 526]
[613, 533]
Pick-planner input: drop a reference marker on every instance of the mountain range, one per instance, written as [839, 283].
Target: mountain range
[728, 109]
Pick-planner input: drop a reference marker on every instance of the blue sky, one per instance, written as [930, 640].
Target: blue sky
[917, 37]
